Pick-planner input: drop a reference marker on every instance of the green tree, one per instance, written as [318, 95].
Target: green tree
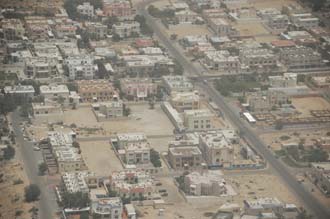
[126, 110]
[42, 168]
[115, 37]
[75, 200]
[9, 152]
[155, 158]
[32, 193]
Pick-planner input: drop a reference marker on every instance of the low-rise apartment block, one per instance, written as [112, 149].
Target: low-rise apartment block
[267, 101]
[96, 90]
[54, 92]
[217, 147]
[198, 120]
[209, 183]
[41, 68]
[13, 29]
[182, 101]
[177, 84]
[80, 181]
[108, 110]
[107, 208]
[124, 139]
[118, 8]
[48, 112]
[135, 153]
[222, 28]
[222, 61]
[86, 9]
[305, 20]
[80, 67]
[185, 157]
[258, 58]
[287, 80]
[131, 183]
[301, 57]
[96, 30]
[25, 91]
[138, 88]
[126, 29]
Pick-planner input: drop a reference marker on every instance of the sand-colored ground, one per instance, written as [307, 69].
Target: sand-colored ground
[99, 157]
[188, 29]
[304, 105]
[142, 119]
[12, 196]
[254, 186]
[309, 137]
[260, 4]
[266, 39]
[251, 29]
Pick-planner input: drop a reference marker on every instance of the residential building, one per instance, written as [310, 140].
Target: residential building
[301, 57]
[54, 92]
[96, 90]
[80, 67]
[185, 157]
[130, 211]
[135, 153]
[263, 205]
[287, 80]
[174, 116]
[177, 84]
[266, 101]
[126, 29]
[107, 208]
[131, 183]
[258, 58]
[278, 22]
[222, 61]
[48, 112]
[222, 28]
[41, 68]
[38, 28]
[80, 181]
[151, 51]
[186, 16]
[320, 173]
[217, 147]
[138, 88]
[198, 120]
[209, 183]
[182, 101]
[25, 91]
[86, 9]
[144, 64]
[124, 139]
[108, 110]
[13, 29]
[118, 8]
[69, 160]
[96, 30]
[321, 81]
[304, 20]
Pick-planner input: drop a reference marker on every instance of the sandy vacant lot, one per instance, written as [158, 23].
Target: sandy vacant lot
[304, 105]
[12, 194]
[260, 4]
[142, 119]
[99, 157]
[309, 137]
[260, 185]
[188, 29]
[251, 29]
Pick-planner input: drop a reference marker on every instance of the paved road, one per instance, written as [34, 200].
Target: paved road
[47, 204]
[320, 211]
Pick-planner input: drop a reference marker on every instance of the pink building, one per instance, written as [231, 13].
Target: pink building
[118, 8]
[138, 88]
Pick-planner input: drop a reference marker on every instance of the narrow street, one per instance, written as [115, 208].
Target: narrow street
[47, 203]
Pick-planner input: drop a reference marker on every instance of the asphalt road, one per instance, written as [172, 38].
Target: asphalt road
[47, 204]
[312, 204]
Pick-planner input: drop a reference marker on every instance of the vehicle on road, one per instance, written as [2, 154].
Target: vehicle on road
[36, 148]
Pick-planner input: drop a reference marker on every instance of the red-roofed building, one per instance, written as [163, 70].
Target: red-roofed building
[283, 43]
[144, 42]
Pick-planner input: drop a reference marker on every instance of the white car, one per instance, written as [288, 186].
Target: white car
[36, 148]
